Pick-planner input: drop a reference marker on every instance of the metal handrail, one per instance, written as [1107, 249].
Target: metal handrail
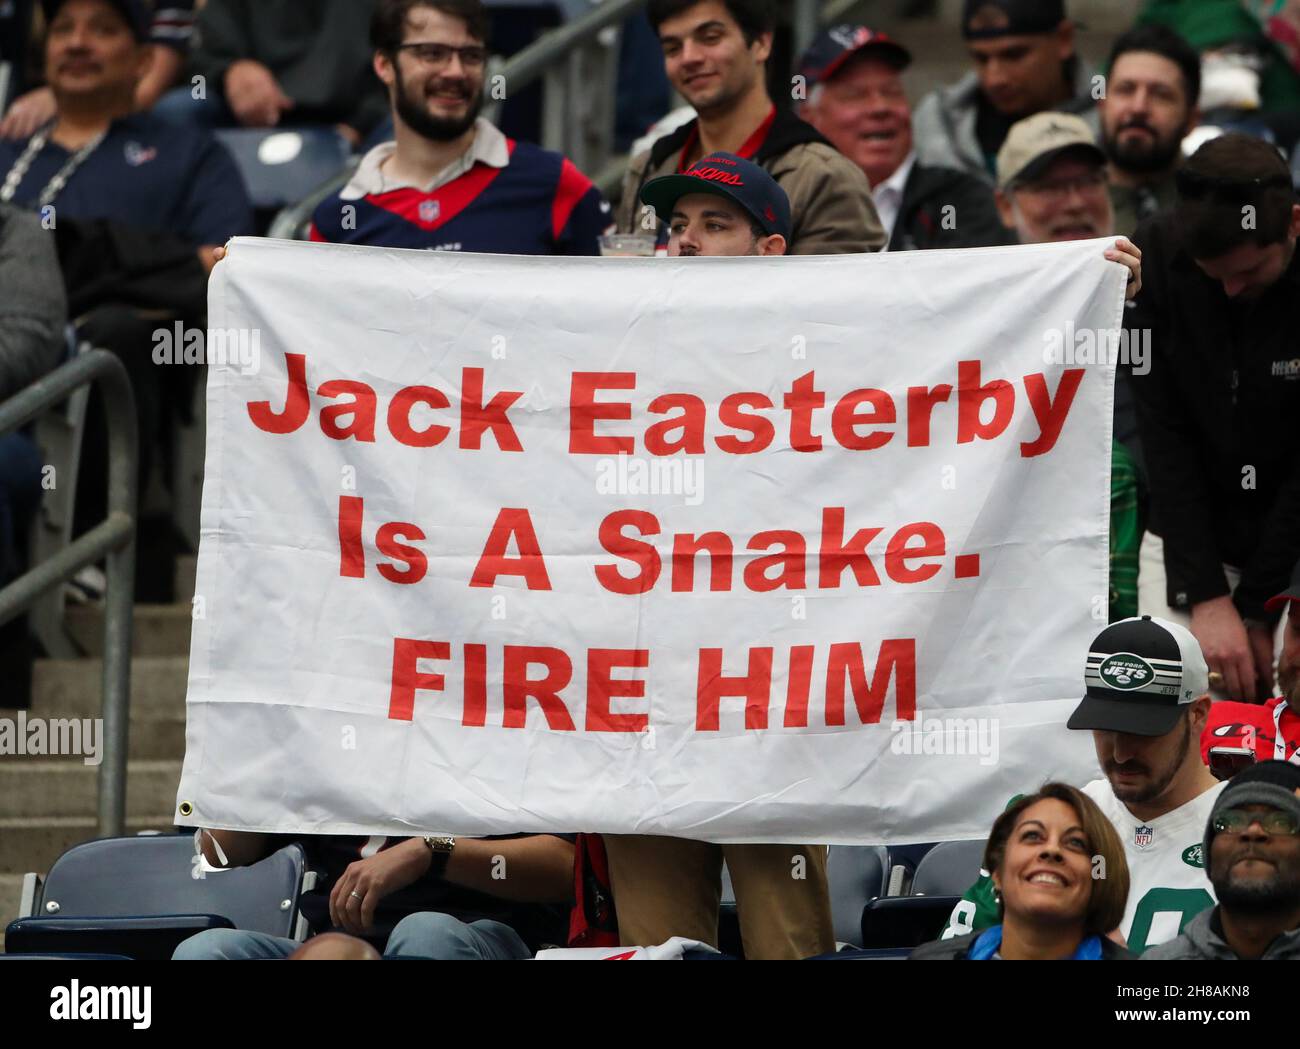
[113, 539]
[529, 65]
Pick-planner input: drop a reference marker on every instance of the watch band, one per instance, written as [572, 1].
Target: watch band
[441, 847]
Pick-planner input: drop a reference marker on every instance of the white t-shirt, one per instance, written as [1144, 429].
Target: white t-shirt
[1169, 884]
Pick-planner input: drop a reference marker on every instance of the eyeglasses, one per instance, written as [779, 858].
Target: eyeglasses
[438, 56]
[1275, 821]
[1057, 192]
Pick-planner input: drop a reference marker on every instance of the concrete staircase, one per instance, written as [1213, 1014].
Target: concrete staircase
[49, 803]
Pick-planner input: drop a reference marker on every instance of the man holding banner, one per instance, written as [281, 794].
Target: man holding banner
[665, 887]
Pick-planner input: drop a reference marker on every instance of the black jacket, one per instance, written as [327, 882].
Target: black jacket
[923, 222]
[1218, 411]
[956, 948]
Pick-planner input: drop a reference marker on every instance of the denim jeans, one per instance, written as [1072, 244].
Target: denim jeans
[427, 934]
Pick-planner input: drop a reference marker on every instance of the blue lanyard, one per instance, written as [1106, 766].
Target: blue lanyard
[988, 942]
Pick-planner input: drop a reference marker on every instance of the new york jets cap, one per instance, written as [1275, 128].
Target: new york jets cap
[1140, 674]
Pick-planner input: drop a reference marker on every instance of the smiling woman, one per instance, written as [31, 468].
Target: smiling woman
[1061, 881]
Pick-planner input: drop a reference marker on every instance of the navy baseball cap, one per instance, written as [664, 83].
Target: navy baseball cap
[988, 19]
[730, 176]
[1291, 593]
[833, 47]
[1140, 676]
[135, 13]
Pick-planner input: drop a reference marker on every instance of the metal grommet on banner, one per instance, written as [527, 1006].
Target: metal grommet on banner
[186, 809]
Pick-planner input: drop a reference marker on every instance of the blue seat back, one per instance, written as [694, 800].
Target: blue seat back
[154, 875]
[278, 164]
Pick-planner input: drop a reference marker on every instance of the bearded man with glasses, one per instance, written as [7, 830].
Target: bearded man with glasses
[450, 180]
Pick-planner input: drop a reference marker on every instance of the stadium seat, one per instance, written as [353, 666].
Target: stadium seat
[943, 873]
[948, 869]
[857, 874]
[293, 222]
[277, 163]
[141, 896]
[905, 921]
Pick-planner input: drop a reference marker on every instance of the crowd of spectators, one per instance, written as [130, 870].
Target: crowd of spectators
[116, 201]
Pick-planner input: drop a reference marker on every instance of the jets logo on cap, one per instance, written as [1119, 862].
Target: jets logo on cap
[1126, 672]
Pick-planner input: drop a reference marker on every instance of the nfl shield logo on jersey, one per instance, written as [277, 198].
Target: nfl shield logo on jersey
[429, 210]
[1143, 836]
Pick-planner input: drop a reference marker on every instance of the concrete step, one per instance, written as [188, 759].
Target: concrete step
[54, 789]
[74, 687]
[150, 740]
[158, 630]
[11, 889]
[33, 844]
[71, 689]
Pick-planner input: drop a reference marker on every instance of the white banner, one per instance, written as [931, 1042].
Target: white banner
[787, 550]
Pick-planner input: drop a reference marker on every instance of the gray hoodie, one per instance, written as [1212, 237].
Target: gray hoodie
[944, 123]
[32, 305]
[1202, 940]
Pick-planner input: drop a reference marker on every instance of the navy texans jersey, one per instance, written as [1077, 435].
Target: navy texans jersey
[538, 204]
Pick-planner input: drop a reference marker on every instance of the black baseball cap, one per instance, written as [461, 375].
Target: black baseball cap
[135, 13]
[730, 176]
[833, 47]
[1291, 593]
[987, 19]
[1140, 675]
